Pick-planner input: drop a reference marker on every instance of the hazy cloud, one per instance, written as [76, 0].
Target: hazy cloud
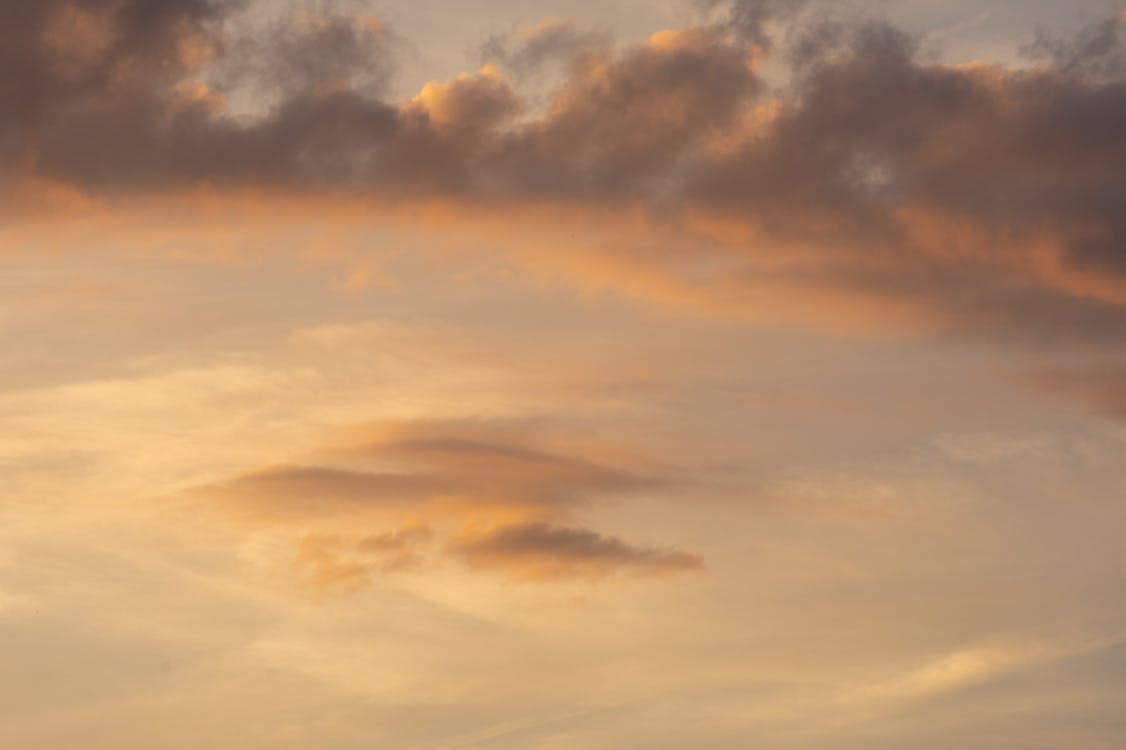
[748, 19]
[1097, 53]
[525, 51]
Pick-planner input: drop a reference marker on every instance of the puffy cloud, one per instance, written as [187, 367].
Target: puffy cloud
[932, 180]
[620, 125]
[84, 68]
[973, 197]
[542, 551]
[125, 123]
[310, 52]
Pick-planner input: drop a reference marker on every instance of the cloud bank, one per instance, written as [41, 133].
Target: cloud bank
[876, 183]
[971, 197]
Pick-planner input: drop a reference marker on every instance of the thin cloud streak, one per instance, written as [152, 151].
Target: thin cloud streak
[538, 551]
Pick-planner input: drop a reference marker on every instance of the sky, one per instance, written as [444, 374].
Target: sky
[607, 375]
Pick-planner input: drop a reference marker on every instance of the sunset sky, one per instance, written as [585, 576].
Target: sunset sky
[601, 375]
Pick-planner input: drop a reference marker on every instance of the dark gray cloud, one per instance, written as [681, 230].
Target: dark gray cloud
[64, 63]
[962, 187]
[1096, 53]
[299, 55]
[133, 115]
[989, 198]
[748, 19]
[539, 550]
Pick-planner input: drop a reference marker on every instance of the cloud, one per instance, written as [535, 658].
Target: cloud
[300, 492]
[313, 52]
[749, 19]
[969, 198]
[455, 468]
[438, 479]
[159, 126]
[542, 551]
[1097, 52]
[531, 47]
[85, 69]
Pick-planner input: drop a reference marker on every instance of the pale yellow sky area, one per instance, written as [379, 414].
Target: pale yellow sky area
[889, 540]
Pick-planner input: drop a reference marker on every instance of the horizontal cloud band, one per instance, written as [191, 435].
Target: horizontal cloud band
[980, 196]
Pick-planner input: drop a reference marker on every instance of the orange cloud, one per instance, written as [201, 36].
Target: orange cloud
[438, 476]
[538, 551]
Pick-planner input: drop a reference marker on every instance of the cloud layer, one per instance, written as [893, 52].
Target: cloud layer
[971, 197]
